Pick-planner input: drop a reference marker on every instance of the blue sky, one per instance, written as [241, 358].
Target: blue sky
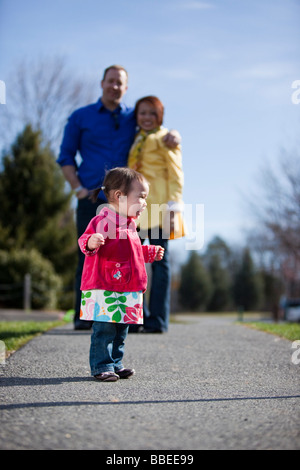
[223, 68]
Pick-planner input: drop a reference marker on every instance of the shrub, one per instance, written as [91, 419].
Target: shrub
[45, 284]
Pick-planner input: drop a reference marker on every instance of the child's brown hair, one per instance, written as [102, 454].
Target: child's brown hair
[118, 178]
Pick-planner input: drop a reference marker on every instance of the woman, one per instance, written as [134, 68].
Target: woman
[162, 168]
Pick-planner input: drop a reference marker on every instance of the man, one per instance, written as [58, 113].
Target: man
[102, 133]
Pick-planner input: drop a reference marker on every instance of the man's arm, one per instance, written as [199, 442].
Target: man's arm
[66, 159]
[69, 172]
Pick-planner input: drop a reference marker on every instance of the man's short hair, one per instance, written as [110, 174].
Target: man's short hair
[114, 67]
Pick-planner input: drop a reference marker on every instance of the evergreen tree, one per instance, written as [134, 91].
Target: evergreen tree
[218, 260]
[219, 247]
[273, 289]
[35, 209]
[247, 284]
[220, 282]
[195, 289]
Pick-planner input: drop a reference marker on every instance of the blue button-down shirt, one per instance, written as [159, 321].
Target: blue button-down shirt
[103, 139]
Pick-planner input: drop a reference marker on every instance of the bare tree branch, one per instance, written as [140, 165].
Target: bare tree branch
[43, 93]
[276, 209]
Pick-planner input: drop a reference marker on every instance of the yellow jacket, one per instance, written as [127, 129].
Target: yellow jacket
[162, 167]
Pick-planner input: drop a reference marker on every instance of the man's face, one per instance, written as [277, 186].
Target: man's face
[114, 87]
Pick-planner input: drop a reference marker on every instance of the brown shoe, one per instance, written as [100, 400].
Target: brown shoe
[125, 373]
[107, 377]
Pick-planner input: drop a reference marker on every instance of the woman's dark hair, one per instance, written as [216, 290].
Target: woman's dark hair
[118, 178]
[157, 105]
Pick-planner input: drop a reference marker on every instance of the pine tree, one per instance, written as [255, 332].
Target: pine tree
[218, 260]
[247, 284]
[195, 289]
[219, 277]
[36, 211]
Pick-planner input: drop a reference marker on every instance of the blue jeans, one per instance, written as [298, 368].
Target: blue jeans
[107, 347]
[156, 314]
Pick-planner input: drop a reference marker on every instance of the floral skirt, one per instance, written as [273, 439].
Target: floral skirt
[114, 307]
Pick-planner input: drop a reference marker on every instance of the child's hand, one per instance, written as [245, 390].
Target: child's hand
[95, 240]
[159, 253]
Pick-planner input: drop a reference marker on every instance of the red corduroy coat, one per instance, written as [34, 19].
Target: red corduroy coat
[119, 264]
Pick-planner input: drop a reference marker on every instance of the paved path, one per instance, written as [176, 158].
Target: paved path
[207, 384]
[32, 315]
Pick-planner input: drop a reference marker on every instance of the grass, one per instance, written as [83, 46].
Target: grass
[290, 331]
[16, 334]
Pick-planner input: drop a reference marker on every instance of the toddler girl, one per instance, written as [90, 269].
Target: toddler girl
[114, 275]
